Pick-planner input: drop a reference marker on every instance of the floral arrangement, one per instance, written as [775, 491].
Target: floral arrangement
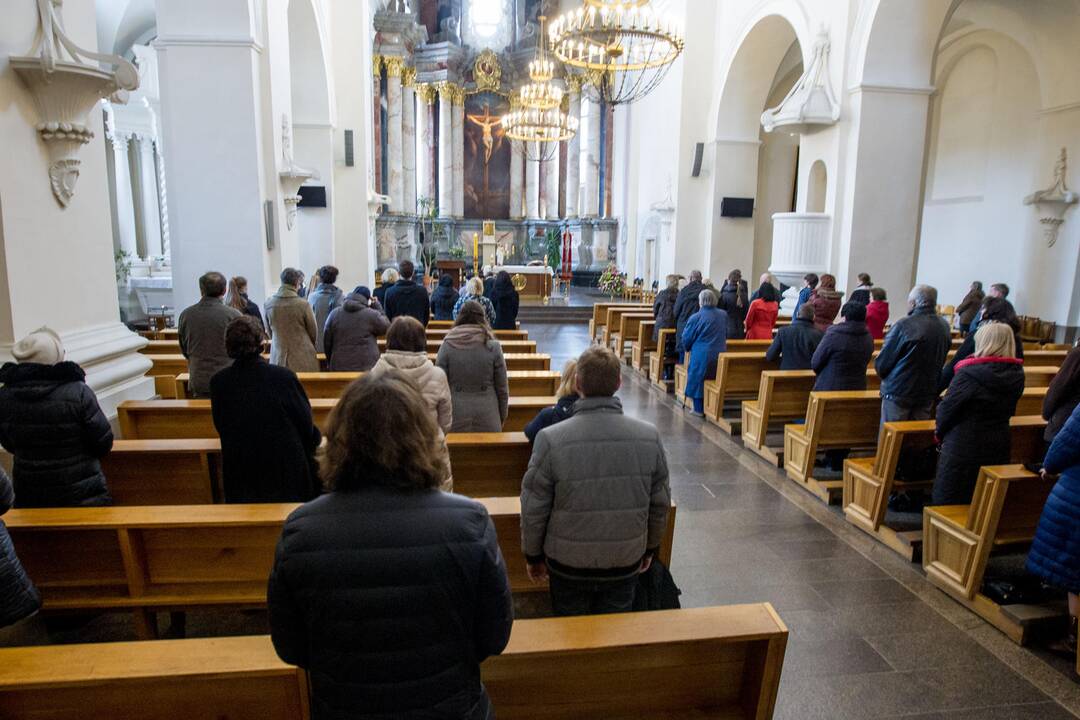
[612, 281]
[457, 252]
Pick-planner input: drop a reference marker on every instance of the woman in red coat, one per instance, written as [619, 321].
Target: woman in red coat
[761, 316]
[877, 313]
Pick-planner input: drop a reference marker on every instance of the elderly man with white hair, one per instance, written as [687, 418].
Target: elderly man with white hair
[911, 360]
[51, 422]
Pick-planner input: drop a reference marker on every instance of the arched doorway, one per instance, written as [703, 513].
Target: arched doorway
[818, 187]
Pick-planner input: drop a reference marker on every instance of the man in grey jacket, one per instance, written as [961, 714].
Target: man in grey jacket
[201, 329]
[595, 498]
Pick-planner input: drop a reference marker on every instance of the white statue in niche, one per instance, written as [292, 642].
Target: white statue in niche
[1058, 197]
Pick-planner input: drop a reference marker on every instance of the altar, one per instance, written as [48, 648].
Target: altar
[537, 279]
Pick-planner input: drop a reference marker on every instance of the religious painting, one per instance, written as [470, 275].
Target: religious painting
[487, 157]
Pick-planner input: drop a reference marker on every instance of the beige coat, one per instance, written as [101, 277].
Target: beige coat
[433, 385]
[291, 324]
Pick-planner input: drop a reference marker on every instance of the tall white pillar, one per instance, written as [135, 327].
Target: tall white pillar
[151, 214]
[517, 160]
[425, 97]
[458, 129]
[590, 170]
[395, 157]
[532, 184]
[408, 138]
[573, 150]
[125, 199]
[551, 185]
[446, 150]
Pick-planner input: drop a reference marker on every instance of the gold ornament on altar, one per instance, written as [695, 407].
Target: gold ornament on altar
[628, 46]
[519, 281]
[486, 71]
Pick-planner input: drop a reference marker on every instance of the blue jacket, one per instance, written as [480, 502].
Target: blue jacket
[705, 335]
[553, 415]
[804, 296]
[1055, 553]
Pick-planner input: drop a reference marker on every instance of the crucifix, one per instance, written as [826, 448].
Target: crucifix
[487, 121]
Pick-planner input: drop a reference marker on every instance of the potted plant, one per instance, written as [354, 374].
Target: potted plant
[122, 261]
[553, 249]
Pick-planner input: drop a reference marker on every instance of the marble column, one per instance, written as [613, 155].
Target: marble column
[408, 138]
[125, 201]
[394, 151]
[517, 160]
[590, 160]
[573, 150]
[458, 129]
[425, 98]
[551, 184]
[446, 150]
[376, 123]
[151, 214]
[532, 184]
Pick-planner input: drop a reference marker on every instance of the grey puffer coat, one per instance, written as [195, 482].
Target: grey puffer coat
[350, 336]
[18, 596]
[478, 385]
[595, 498]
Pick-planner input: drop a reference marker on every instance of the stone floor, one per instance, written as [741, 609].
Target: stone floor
[870, 637]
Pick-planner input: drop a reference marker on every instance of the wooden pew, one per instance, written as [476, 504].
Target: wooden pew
[641, 346]
[1031, 401]
[738, 377]
[713, 662]
[599, 316]
[958, 541]
[846, 419]
[782, 398]
[658, 363]
[188, 472]
[332, 384]
[516, 345]
[614, 317]
[1043, 358]
[1039, 376]
[447, 324]
[629, 325]
[869, 481]
[190, 419]
[149, 558]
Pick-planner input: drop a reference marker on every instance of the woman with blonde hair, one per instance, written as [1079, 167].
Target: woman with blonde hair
[236, 297]
[973, 418]
[563, 409]
[388, 592]
[474, 292]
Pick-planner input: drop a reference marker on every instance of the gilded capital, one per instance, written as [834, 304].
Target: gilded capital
[376, 65]
[394, 66]
[408, 76]
[573, 83]
[458, 95]
[426, 92]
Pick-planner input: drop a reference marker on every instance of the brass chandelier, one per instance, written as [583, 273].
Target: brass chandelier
[622, 46]
[536, 118]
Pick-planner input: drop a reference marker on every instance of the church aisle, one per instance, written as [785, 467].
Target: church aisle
[870, 637]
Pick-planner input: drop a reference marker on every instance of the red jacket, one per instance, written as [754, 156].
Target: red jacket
[760, 319]
[877, 314]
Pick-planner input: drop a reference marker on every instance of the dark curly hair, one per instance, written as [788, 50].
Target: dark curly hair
[243, 337]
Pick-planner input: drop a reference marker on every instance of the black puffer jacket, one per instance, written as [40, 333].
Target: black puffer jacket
[663, 310]
[443, 299]
[686, 304]
[973, 417]
[51, 422]
[391, 600]
[408, 298]
[911, 360]
[506, 301]
[561, 410]
[841, 359]
[736, 313]
[18, 596]
[966, 350]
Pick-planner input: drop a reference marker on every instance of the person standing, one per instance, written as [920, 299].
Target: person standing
[994, 309]
[201, 330]
[969, 306]
[291, 324]
[810, 283]
[388, 592]
[406, 352]
[406, 297]
[1063, 395]
[263, 415]
[734, 302]
[997, 290]
[861, 294]
[565, 398]
[324, 298]
[505, 301]
[352, 331]
[474, 365]
[664, 306]
[795, 344]
[389, 277]
[826, 301]
[704, 337]
[973, 417]
[595, 499]
[444, 298]
[686, 304]
[50, 421]
[841, 360]
[474, 292]
[761, 315]
[911, 359]
[877, 313]
[237, 297]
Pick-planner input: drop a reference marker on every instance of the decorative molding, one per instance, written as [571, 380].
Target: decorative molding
[893, 89]
[486, 71]
[1056, 199]
[164, 42]
[426, 92]
[65, 89]
[376, 65]
[811, 104]
[408, 76]
[394, 66]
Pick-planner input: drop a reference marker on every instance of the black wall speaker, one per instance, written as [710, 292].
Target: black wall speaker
[312, 196]
[737, 207]
[350, 159]
[699, 153]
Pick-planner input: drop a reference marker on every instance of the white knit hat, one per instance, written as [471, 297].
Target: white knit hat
[41, 346]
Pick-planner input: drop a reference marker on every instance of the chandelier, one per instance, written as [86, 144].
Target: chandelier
[536, 118]
[622, 46]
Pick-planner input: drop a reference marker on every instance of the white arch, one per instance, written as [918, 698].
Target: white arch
[309, 65]
[894, 42]
[817, 187]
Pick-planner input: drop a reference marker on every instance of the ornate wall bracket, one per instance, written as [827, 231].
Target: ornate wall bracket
[811, 104]
[1054, 201]
[292, 176]
[65, 89]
